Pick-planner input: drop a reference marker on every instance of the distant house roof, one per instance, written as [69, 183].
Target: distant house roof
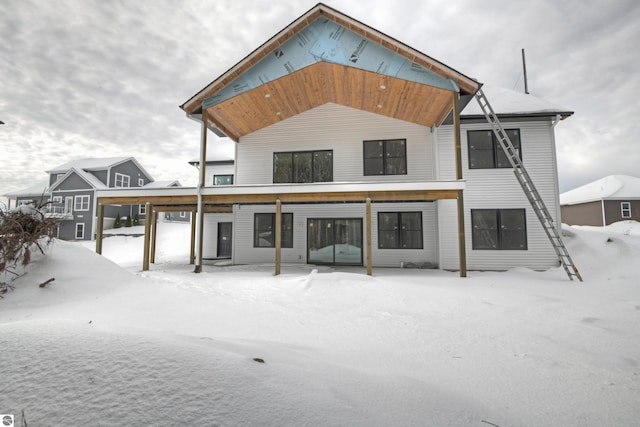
[506, 102]
[612, 187]
[35, 190]
[90, 164]
[163, 184]
[90, 179]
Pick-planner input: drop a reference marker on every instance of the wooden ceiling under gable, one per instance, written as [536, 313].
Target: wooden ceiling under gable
[324, 82]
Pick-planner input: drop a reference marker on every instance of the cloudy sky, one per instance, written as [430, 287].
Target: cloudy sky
[96, 78]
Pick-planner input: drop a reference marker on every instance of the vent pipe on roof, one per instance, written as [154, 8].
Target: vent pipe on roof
[524, 71]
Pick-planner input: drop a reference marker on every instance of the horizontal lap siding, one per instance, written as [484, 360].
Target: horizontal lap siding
[210, 242]
[499, 189]
[337, 128]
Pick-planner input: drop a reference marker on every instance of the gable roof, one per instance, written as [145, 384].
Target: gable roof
[612, 187]
[326, 56]
[89, 178]
[92, 164]
[36, 190]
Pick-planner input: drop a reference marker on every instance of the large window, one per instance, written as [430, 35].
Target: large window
[499, 229]
[264, 225]
[400, 230]
[485, 151]
[385, 157]
[121, 180]
[81, 203]
[303, 166]
[625, 209]
[223, 180]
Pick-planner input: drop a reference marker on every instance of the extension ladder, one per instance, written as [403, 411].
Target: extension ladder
[528, 187]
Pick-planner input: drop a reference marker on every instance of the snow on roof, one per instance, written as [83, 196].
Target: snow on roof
[163, 184]
[506, 101]
[612, 187]
[89, 164]
[34, 190]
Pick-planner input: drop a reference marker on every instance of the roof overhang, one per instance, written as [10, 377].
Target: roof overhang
[326, 56]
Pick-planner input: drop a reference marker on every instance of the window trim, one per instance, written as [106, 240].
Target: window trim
[499, 227]
[496, 148]
[140, 182]
[223, 175]
[122, 179]
[82, 227]
[292, 166]
[80, 198]
[399, 233]
[285, 243]
[142, 209]
[626, 209]
[384, 157]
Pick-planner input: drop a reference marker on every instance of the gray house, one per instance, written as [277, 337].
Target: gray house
[605, 201]
[36, 193]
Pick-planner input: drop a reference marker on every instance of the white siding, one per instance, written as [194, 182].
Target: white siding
[210, 242]
[217, 170]
[496, 189]
[337, 128]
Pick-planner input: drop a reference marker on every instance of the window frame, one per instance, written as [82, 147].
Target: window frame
[121, 177]
[499, 227]
[291, 178]
[142, 209]
[286, 235]
[83, 199]
[626, 209]
[82, 227]
[384, 167]
[140, 182]
[399, 235]
[228, 175]
[497, 153]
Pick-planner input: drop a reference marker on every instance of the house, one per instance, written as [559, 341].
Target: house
[35, 194]
[605, 201]
[352, 148]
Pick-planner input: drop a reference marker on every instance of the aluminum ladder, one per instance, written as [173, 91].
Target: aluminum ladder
[528, 187]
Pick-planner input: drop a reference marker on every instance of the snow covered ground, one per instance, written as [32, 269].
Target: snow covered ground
[105, 344]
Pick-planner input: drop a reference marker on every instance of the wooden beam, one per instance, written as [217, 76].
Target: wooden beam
[368, 231]
[141, 200]
[192, 251]
[201, 184]
[456, 134]
[154, 231]
[147, 233]
[100, 229]
[462, 249]
[278, 235]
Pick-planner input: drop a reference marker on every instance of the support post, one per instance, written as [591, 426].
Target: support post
[368, 231]
[192, 251]
[200, 211]
[154, 230]
[278, 235]
[147, 232]
[462, 250]
[99, 229]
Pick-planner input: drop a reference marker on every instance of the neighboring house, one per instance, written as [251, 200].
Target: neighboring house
[364, 151]
[605, 201]
[37, 193]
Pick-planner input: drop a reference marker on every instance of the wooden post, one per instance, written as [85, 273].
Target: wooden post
[200, 211]
[278, 235]
[462, 250]
[99, 229]
[192, 252]
[154, 230]
[147, 232]
[368, 227]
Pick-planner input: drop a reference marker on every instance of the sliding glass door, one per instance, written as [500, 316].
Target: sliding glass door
[334, 241]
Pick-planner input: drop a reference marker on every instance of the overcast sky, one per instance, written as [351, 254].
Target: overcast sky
[96, 78]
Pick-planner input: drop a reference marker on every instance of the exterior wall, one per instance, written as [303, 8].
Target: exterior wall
[583, 214]
[613, 211]
[67, 226]
[130, 169]
[101, 175]
[337, 128]
[210, 242]
[245, 253]
[72, 183]
[218, 169]
[499, 189]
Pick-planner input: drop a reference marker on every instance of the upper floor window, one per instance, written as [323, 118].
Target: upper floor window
[499, 229]
[625, 208]
[385, 157]
[223, 180]
[485, 151]
[140, 182]
[303, 166]
[121, 180]
[400, 230]
[264, 225]
[81, 203]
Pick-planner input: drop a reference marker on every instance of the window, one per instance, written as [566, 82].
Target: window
[385, 157]
[79, 230]
[625, 208]
[485, 151]
[183, 214]
[81, 203]
[142, 209]
[303, 166]
[500, 229]
[263, 226]
[223, 180]
[68, 205]
[140, 182]
[57, 199]
[122, 180]
[400, 230]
